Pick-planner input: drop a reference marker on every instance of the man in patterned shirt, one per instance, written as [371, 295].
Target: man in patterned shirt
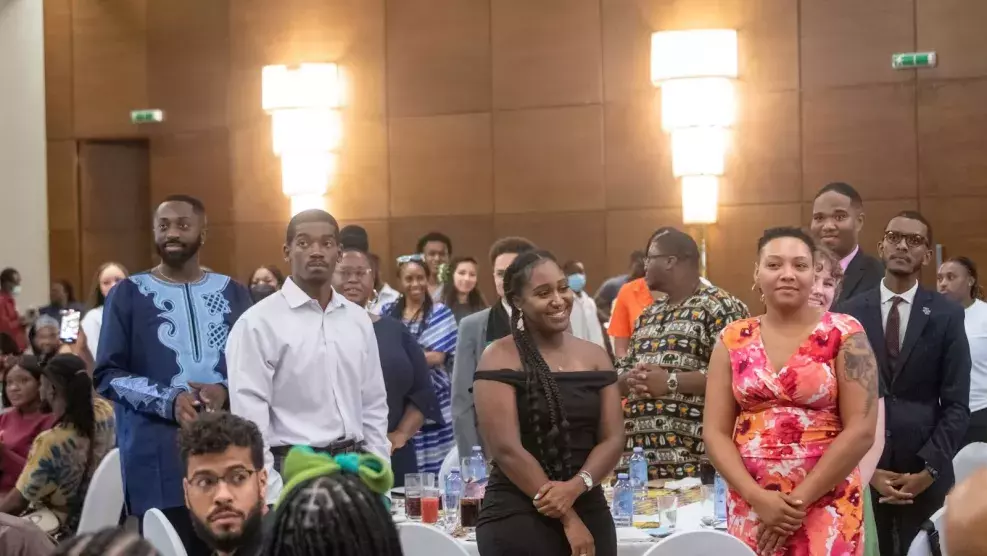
[663, 377]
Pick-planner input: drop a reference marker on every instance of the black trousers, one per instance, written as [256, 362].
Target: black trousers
[897, 526]
[977, 431]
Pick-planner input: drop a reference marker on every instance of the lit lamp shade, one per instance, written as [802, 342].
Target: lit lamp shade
[698, 151]
[307, 173]
[699, 199]
[694, 53]
[698, 102]
[298, 130]
[301, 203]
[305, 86]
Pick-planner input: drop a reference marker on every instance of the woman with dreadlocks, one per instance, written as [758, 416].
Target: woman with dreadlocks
[549, 412]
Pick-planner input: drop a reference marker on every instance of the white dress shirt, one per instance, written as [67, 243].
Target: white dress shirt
[91, 324]
[307, 376]
[584, 321]
[976, 334]
[904, 308]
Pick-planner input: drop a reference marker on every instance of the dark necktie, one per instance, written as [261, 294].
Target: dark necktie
[892, 332]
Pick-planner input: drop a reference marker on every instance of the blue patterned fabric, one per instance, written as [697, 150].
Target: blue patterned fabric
[157, 337]
[434, 440]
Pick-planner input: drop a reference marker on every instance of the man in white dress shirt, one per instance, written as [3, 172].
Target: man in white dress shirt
[303, 362]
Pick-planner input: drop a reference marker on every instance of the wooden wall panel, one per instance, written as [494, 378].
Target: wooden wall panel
[863, 135]
[470, 235]
[955, 30]
[258, 244]
[58, 69]
[361, 188]
[546, 53]
[847, 42]
[438, 57]
[188, 62]
[194, 164]
[63, 187]
[952, 121]
[255, 175]
[638, 160]
[441, 165]
[556, 152]
[110, 70]
[64, 259]
[219, 251]
[629, 230]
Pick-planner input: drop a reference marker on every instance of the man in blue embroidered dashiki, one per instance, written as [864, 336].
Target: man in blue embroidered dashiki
[161, 360]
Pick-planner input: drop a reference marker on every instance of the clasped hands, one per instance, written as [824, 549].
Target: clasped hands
[647, 380]
[555, 498]
[900, 488]
[780, 516]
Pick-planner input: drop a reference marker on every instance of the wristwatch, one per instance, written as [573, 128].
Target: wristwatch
[673, 383]
[932, 471]
[587, 479]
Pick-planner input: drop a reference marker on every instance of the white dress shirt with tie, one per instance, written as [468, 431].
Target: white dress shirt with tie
[307, 376]
[904, 308]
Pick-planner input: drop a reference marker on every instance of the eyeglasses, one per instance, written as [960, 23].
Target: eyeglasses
[649, 258]
[206, 483]
[912, 240]
[355, 273]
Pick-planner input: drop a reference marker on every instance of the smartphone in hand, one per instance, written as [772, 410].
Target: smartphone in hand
[69, 332]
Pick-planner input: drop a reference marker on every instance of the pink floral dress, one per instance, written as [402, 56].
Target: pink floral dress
[788, 418]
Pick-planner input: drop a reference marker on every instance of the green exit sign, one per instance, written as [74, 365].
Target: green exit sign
[912, 60]
[146, 116]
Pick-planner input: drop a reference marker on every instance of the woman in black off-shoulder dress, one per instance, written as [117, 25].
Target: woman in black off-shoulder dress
[549, 413]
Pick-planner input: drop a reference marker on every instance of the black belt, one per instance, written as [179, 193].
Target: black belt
[336, 447]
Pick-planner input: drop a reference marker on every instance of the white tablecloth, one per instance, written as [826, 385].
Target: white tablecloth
[689, 518]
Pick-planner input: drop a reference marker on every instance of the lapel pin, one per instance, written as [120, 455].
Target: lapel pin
[926, 310]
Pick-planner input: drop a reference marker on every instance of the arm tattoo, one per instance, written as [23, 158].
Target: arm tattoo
[860, 366]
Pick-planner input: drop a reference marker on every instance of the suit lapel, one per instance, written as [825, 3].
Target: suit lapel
[874, 325]
[917, 320]
[853, 275]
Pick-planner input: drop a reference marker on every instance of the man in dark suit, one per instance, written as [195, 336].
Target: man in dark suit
[922, 352]
[837, 218]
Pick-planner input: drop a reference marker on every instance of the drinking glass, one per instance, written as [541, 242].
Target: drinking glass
[708, 494]
[430, 504]
[668, 506]
[413, 485]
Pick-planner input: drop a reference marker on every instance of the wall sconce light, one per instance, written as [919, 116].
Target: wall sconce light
[695, 70]
[307, 128]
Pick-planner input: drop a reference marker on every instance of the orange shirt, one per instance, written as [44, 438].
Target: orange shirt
[631, 301]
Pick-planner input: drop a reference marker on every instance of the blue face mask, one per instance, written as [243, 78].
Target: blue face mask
[577, 282]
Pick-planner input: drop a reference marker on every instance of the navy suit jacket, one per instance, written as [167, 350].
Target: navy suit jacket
[927, 392]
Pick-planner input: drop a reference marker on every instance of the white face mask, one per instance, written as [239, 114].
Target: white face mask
[16, 291]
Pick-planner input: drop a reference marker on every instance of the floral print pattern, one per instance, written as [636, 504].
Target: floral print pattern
[788, 418]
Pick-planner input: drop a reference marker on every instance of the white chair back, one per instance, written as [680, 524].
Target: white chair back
[452, 460]
[920, 545]
[162, 535]
[104, 498]
[968, 460]
[418, 539]
[704, 542]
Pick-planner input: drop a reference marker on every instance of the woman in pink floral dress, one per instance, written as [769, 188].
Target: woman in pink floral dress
[791, 407]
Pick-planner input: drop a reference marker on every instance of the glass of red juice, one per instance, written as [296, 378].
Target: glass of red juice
[430, 505]
[413, 496]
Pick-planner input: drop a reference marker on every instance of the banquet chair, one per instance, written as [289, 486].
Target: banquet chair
[920, 544]
[452, 460]
[162, 535]
[968, 460]
[104, 498]
[418, 539]
[701, 543]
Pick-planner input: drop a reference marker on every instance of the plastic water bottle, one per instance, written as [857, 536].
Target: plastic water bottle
[454, 491]
[639, 476]
[623, 502]
[719, 498]
[478, 464]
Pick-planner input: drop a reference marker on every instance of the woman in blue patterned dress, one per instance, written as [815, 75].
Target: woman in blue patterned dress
[434, 328]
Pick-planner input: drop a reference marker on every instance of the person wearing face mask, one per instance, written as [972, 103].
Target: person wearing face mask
[958, 280]
[791, 408]
[463, 298]
[584, 319]
[10, 319]
[265, 281]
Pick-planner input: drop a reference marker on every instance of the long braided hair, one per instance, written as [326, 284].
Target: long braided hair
[397, 310]
[112, 541]
[542, 391]
[333, 515]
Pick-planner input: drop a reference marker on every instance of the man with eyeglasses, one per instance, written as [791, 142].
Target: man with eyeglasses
[225, 482]
[304, 364]
[922, 352]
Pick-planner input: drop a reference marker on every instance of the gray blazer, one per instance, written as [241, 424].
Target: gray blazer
[470, 344]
